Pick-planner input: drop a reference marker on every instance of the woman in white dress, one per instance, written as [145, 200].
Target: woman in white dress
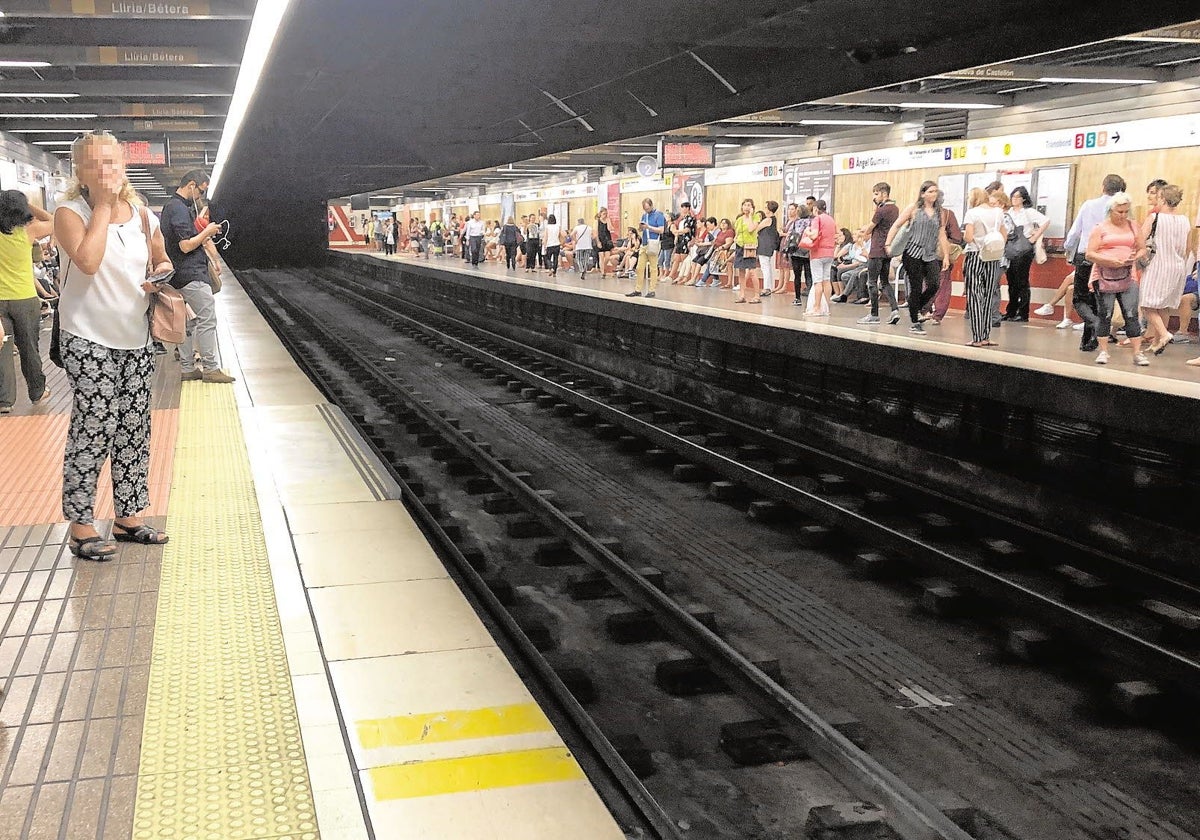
[1162, 281]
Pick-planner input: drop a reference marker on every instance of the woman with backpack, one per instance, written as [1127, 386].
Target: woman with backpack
[984, 234]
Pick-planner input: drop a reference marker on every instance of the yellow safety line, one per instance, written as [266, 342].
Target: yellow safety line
[221, 750]
[453, 725]
[474, 772]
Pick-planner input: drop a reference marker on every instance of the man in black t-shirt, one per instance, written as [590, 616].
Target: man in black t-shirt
[185, 247]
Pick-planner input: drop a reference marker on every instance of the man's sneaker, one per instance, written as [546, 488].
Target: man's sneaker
[1140, 360]
[838, 298]
[1102, 359]
[917, 329]
[1044, 309]
[1064, 323]
[1180, 339]
[218, 377]
[1078, 327]
[895, 319]
[191, 375]
[5, 409]
[869, 319]
[648, 294]
[633, 294]
[797, 302]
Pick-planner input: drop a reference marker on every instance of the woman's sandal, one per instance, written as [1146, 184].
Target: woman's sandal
[92, 548]
[142, 534]
[756, 300]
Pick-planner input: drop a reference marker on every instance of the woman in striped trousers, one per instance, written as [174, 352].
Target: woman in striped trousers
[981, 269]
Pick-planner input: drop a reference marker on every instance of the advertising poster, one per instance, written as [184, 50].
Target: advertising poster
[814, 178]
[688, 187]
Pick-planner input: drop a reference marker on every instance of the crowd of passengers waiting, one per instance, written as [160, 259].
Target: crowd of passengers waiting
[1127, 279]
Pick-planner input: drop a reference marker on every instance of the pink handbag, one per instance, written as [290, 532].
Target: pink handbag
[168, 311]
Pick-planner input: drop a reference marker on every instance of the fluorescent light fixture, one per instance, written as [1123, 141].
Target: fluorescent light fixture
[12, 63]
[948, 106]
[268, 14]
[820, 121]
[728, 145]
[47, 130]
[53, 142]
[643, 145]
[766, 136]
[1067, 80]
[38, 95]
[48, 117]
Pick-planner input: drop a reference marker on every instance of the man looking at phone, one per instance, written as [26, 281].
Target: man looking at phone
[185, 247]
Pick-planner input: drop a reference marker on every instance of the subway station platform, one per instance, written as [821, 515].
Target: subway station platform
[1035, 346]
[295, 663]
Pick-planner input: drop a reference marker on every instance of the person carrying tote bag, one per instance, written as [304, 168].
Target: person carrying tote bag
[105, 345]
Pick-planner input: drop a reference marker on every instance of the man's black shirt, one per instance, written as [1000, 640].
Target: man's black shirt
[179, 223]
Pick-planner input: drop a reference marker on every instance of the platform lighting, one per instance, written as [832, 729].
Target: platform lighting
[765, 136]
[48, 117]
[946, 106]
[5, 95]
[15, 63]
[821, 121]
[48, 130]
[268, 15]
[53, 142]
[728, 145]
[1065, 80]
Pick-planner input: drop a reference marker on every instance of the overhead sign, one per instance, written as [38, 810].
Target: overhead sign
[1134, 136]
[166, 125]
[145, 153]
[164, 109]
[122, 9]
[744, 174]
[692, 154]
[1022, 71]
[184, 56]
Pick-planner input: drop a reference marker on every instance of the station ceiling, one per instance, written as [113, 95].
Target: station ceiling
[368, 95]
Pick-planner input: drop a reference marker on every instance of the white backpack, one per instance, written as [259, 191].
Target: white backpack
[991, 247]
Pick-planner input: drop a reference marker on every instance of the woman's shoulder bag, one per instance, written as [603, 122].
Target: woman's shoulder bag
[168, 311]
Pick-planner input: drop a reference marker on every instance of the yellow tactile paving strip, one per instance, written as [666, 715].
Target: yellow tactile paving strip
[221, 752]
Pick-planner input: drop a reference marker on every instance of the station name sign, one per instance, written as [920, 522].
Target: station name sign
[144, 9]
[1133, 136]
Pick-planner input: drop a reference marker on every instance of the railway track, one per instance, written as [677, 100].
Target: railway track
[1133, 629]
[782, 727]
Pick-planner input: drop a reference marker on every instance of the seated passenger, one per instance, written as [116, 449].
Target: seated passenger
[852, 273]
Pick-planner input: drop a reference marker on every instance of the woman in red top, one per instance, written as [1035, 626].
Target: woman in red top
[820, 256]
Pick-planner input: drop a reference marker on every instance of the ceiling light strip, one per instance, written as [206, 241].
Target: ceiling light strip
[268, 15]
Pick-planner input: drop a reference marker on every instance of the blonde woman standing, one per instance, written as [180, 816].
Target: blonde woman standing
[1113, 249]
[981, 268]
[105, 341]
[1162, 282]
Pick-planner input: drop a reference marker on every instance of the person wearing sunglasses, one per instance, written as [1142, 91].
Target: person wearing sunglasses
[186, 249]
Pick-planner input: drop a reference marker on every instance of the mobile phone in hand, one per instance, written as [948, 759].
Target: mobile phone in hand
[161, 277]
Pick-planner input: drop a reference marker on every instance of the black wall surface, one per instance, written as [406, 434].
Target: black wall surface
[372, 95]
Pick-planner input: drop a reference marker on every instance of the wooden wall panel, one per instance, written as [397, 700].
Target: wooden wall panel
[631, 206]
[725, 200]
[1177, 166]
